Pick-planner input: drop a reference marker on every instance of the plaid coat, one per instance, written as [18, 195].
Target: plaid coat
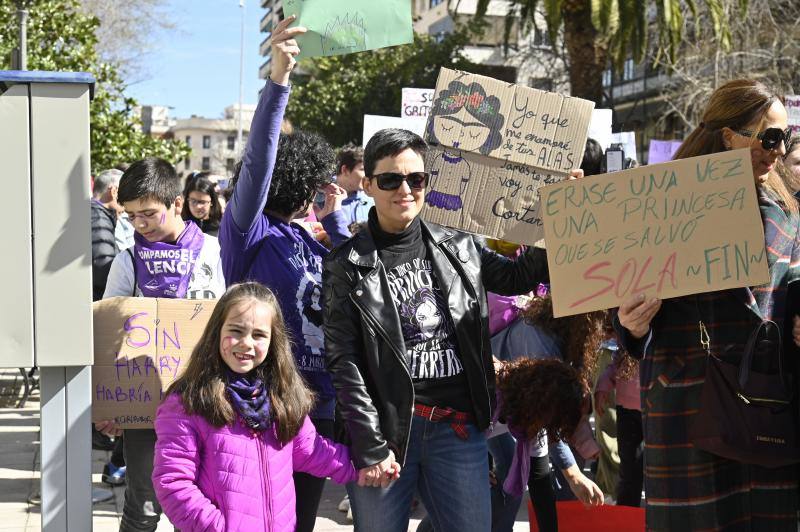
[686, 488]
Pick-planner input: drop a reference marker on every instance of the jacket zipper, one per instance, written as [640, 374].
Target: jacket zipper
[375, 325]
[457, 263]
[264, 466]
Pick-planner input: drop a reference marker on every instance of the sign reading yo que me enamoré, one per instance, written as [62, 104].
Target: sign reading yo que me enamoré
[666, 230]
[493, 144]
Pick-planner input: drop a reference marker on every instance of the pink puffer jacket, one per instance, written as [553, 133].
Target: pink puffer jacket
[228, 479]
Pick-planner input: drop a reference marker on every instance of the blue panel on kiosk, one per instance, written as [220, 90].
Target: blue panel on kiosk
[12, 77]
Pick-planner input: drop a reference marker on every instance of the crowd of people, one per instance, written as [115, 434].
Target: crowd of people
[352, 340]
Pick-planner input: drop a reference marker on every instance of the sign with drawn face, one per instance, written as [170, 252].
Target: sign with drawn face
[666, 230]
[141, 345]
[337, 28]
[492, 145]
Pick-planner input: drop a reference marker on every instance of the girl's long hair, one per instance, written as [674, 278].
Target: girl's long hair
[200, 183]
[735, 105]
[202, 385]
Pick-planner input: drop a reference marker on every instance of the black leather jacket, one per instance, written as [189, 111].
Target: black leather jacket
[366, 354]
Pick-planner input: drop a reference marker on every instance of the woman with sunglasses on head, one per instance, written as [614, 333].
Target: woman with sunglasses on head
[275, 183]
[688, 488]
[201, 204]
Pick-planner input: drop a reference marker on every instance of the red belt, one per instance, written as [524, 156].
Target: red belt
[458, 420]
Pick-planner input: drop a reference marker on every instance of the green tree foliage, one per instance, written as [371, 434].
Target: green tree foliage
[595, 31]
[62, 38]
[336, 92]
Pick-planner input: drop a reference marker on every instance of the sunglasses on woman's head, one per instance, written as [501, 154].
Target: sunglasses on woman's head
[393, 180]
[771, 137]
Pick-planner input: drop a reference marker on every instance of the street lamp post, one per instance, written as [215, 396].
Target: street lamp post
[21, 60]
[241, 81]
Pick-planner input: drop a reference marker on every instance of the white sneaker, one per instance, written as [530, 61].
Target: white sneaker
[344, 506]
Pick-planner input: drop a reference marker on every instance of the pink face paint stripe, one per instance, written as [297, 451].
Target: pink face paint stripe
[163, 218]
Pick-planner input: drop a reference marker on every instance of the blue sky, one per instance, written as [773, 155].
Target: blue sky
[195, 67]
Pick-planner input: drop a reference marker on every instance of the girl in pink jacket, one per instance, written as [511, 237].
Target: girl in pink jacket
[234, 427]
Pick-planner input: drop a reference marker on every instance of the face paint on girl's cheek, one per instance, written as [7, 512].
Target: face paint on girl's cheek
[227, 343]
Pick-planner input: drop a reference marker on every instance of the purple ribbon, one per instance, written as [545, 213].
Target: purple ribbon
[164, 270]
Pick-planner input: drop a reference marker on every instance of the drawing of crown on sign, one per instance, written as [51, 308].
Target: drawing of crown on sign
[344, 34]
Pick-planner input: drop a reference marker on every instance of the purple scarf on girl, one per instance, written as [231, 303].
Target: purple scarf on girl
[250, 399]
[164, 270]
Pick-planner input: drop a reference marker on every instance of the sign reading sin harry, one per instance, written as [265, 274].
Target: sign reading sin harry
[666, 230]
[141, 345]
[493, 144]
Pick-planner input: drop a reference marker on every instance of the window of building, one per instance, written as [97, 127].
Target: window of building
[187, 163]
[629, 70]
[434, 3]
[541, 37]
[543, 84]
[231, 142]
[189, 140]
[229, 164]
[607, 77]
[206, 163]
[206, 141]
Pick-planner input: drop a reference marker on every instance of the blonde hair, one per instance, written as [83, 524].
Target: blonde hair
[735, 105]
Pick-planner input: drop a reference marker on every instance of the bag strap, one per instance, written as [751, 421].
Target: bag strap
[133, 262]
[746, 363]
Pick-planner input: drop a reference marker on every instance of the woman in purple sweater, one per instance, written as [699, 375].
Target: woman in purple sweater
[277, 180]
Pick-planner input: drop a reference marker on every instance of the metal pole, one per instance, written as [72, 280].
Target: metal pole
[241, 82]
[22, 13]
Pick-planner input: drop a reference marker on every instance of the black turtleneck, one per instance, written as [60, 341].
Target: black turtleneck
[428, 331]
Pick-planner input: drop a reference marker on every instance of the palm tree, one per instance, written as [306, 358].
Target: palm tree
[596, 31]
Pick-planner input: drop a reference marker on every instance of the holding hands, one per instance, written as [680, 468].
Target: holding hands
[380, 475]
[284, 50]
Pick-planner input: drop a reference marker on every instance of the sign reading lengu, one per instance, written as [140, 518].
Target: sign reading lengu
[493, 144]
[141, 345]
[666, 230]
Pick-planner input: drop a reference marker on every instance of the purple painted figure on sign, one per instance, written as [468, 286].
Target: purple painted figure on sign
[480, 125]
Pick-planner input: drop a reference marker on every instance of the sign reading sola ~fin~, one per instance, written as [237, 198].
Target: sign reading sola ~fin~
[492, 145]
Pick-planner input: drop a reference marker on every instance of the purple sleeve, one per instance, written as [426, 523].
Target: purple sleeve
[335, 224]
[250, 195]
[176, 466]
[316, 455]
[243, 224]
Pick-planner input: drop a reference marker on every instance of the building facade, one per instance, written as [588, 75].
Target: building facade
[213, 140]
[272, 14]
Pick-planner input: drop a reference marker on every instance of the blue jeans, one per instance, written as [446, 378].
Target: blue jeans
[450, 474]
[504, 506]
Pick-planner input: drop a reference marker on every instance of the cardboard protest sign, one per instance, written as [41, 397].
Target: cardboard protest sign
[141, 345]
[667, 230]
[600, 127]
[337, 28]
[493, 144]
[416, 102]
[661, 151]
[793, 109]
[374, 123]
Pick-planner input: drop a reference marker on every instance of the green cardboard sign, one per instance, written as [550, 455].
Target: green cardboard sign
[337, 27]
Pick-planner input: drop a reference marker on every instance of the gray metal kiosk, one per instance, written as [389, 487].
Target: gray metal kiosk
[46, 313]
